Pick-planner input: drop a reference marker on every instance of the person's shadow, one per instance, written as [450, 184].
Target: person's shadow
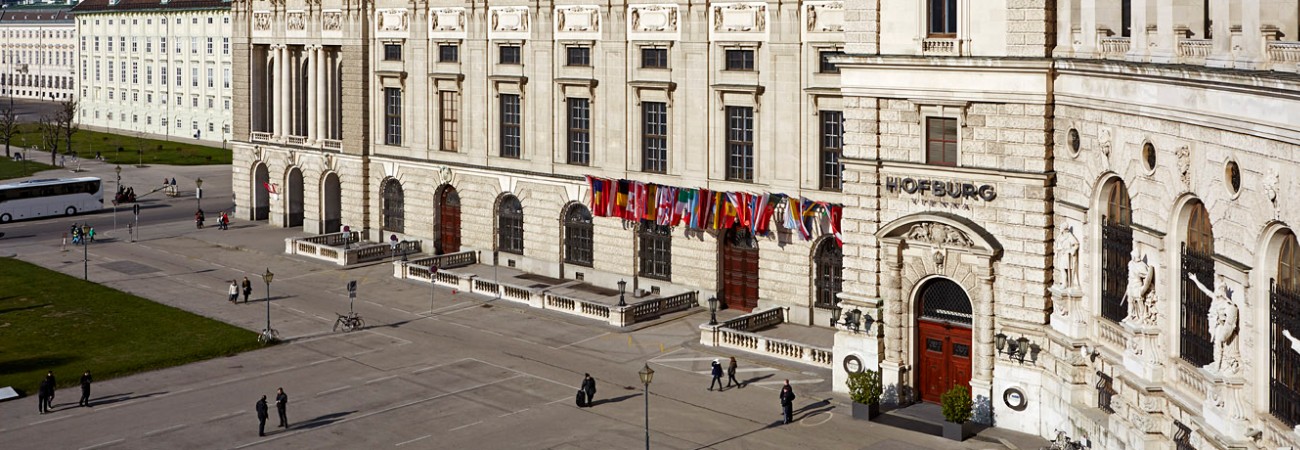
[757, 378]
[317, 422]
[614, 400]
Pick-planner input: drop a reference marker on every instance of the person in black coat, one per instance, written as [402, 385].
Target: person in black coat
[282, 402]
[261, 416]
[717, 375]
[43, 396]
[85, 389]
[588, 387]
[787, 401]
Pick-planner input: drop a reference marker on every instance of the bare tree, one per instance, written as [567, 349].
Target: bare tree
[8, 127]
[66, 120]
[50, 134]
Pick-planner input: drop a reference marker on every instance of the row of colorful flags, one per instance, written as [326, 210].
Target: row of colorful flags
[705, 209]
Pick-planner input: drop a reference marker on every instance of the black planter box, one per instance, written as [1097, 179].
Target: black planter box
[958, 431]
[865, 411]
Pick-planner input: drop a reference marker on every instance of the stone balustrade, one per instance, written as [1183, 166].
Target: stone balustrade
[331, 145]
[259, 136]
[739, 333]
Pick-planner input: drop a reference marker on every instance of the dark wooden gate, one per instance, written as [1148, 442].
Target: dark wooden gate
[739, 262]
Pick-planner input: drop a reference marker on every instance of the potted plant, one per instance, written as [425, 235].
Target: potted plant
[864, 390]
[957, 407]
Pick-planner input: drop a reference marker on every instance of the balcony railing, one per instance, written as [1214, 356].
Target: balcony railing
[1195, 48]
[295, 140]
[259, 136]
[331, 144]
[1114, 47]
[940, 47]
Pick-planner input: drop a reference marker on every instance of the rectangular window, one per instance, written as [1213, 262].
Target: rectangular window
[941, 141]
[135, 73]
[162, 75]
[943, 18]
[210, 46]
[135, 44]
[448, 53]
[110, 71]
[654, 58]
[180, 75]
[449, 116]
[1104, 393]
[510, 54]
[656, 251]
[511, 123]
[225, 78]
[392, 52]
[148, 45]
[740, 59]
[740, 143]
[194, 77]
[825, 65]
[194, 45]
[579, 138]
[654, 137]
[578, 56]
[194, 101]
[148, 75]
[832, 146]
[212, 82]
[225, 46]
[110, 43]
[392, 116]
[162, 44]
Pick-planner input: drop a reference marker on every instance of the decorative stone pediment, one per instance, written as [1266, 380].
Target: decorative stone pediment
[392, 23]
[577, 22]
[940, 231]
[738, 21]
[447, 23]
[823, 20]
[653, 23]
[509, 22]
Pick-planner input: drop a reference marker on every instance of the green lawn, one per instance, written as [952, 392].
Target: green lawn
[14, 169]
[87, 142]
[51, 321]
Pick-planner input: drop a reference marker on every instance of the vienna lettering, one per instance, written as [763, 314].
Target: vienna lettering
[940, 188]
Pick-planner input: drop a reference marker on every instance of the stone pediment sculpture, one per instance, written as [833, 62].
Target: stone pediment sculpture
[1223, 318]
[824, 17]
[1139, 295]
[938, 234]
[1185, 165]
[1103, 141]
[1067, 257]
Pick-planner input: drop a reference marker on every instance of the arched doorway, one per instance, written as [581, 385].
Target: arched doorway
[295, 201]
[739, 267]
[944, 338]
[448, 231]
[332, 204]
[261, 198]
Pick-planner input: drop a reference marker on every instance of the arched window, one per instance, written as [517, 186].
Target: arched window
[829, 276]
[1284, 315]
[510, 226]
[393, 206]
[1116, 251]
[577, 236]
[1195, 345]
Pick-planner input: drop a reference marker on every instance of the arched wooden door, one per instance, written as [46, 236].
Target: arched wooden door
[296, 203]
[944, 338]
[739, 261]
[448, 221]
[333, 204]
[261, 198]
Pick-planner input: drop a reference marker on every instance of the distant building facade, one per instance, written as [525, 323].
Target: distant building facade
[38, 51]
[160, 67]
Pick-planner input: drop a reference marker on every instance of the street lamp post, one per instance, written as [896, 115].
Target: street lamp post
[621, 286]
[117, 169]
[713, 310]
[267, 277]
[647, 374]
[85, 256]
[433, 286]
[198, 193]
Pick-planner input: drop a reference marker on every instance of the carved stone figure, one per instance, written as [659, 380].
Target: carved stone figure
[938, 234]
[1067, 251]
[1141, 277]
[332, 21]
[262, 21]
[297, 21]
[1103, 142]
[1223, 317]
[919, 232]
[1185, 164]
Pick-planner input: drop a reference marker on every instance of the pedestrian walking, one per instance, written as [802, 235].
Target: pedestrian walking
[717, 375]
[85, 389]
[91, 234]
[261, 416]
[282, 402]
[731, 373]
[588, 387]
[234, 291]
[248, 289]
[44, 395]
[787, 401]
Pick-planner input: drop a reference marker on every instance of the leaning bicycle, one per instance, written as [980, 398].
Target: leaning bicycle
[349, 322]
[1063, 442]
[268, 336]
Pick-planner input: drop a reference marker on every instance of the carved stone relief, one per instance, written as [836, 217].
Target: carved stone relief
[447, 19]
[1185, 165]
[577, 18]
[296, 21]
[824, 17]
[332, 21]
[262, 21]
[1271, 190]
[739, 21]
[938, 234]
[391, 20]
[652, 19]
[1103, 141]
[508, 22]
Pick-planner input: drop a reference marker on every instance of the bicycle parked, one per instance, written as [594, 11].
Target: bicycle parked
[349, 322]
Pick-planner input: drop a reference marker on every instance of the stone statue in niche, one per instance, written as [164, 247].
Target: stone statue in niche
[1223, 317]
[1067, 254]
[1141, 303]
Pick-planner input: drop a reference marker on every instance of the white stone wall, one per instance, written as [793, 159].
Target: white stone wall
[39, 53]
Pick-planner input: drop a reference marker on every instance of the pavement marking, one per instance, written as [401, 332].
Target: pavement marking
[399, 444]
[226, 416]
[520, 372]
[331, 391]
[376, 304]
[436, 366]
[376, 380]
[465, 426]
[582, 341]
[364, 352]
[828, 414]
[512, 413]
[394, 308]
[164, 430]
[103, 444]
[739, 370]
[299, 311]
[772, 383]
[666, 360]
[395, 338]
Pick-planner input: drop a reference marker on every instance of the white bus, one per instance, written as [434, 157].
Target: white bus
[49, 197]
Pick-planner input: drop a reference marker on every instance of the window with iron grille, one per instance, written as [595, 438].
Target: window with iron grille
[1116, 252]
[393, 116]
[824, 64]
[943, 18]
[941, 141]
[740, 143]
[832, 146]
[654, 58]
[579, 137]
[578, 56]
[829, 261]
[511, 118]
[654, 137]
[393, 206]
[1284, 315]
[448, 53]
[510, 226]
[392, 52]
[449, 116]
[577, 236]
[1195, 344]
[740, 59]
[1105, 392]
[509, 54]
[1182, 437]
[656, 252]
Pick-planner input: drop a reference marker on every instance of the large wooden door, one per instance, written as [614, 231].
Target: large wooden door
[448, 221]
[739, 262]
[945, 353]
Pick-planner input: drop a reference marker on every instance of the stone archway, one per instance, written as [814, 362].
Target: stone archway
[943, 344]
[332, 206]
[261, 209]
[294, 199]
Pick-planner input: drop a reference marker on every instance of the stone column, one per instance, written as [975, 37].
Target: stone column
[891, 369]
[284, 108]
[318, 93]
[1221, 47]
[1166, 48]
[273, 81]
[313, 105]
[1064, 29]
[1088, 29]
[1138, 47]
[1252, 38]
[981, 381]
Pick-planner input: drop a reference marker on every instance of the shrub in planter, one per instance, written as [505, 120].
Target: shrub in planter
[864, 389]
[957, 406]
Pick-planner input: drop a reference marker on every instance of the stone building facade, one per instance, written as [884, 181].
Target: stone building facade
[37, 51]
[156, 67]
[1133, 282]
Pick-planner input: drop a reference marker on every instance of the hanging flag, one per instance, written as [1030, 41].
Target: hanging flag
[651, 202]
[667, 196]
[758, 225]
[597, 196]
[836, 214]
